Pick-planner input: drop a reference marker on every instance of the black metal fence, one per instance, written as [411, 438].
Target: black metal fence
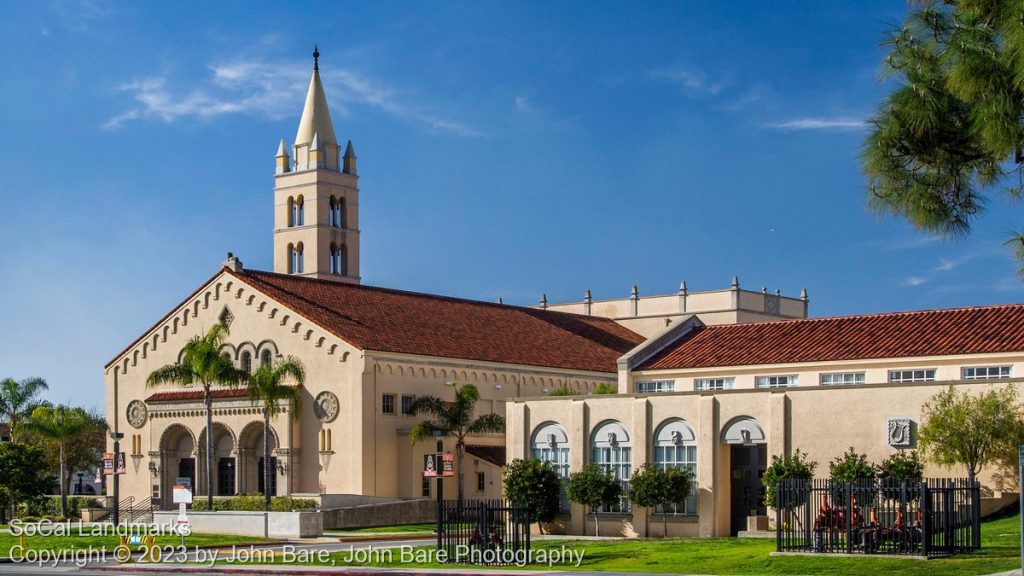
[488, 532]
[936, 517]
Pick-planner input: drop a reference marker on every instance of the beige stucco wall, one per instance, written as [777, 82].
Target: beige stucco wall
[822, 421]
[370, 452]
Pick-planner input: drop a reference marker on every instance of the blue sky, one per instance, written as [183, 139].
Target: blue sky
[505, 149]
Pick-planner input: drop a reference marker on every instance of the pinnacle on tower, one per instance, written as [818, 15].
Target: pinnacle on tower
[349, 160]
[282, 163]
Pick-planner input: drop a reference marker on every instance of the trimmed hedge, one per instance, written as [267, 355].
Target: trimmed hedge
[49, 507]
[254, 503]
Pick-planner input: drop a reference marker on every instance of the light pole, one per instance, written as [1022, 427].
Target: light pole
[440, 483]
[116, 437]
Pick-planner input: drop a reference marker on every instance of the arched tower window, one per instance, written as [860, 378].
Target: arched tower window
[247, 362]
[338, 264]
[339, 217]
[266, 358]
[300, 211]
[295, 259]
[293, 215]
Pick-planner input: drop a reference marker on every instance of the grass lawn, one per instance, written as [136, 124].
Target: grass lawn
[399, 529]
[74, 541]
[1000, 552]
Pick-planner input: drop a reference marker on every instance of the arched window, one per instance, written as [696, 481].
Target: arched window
[300, 219]
[675, 446]
[551, 444]
[610, 448]
[293, 215]
[295, 259]
[330, 213]
[338, 263]
[339, 216]
[266, 358]
[247, 362]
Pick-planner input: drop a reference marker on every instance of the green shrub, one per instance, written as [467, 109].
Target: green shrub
[606, 388]
[902, 467]
[49, 506]
[254, 503]
[795, 467]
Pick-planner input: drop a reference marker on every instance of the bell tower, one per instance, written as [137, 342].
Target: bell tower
[316, 197]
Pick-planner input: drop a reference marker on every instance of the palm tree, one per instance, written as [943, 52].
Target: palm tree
[203, 363]
[18, 398]
[63, 424]
[266, 387]
[454, 419]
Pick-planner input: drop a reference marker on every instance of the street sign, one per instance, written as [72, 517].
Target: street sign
[448, 465]
[108, 462]
[183, 481]
[181, 495]
[430, 465]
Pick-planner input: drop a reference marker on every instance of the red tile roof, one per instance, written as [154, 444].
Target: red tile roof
[388, 320]
[179, 395]
[945, 332]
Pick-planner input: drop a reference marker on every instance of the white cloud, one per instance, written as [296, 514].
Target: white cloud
[694, 83]
[837, 123]
[914, 281]
[523, 104]
[269, 89]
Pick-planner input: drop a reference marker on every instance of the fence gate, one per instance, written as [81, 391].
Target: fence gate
[491, 532]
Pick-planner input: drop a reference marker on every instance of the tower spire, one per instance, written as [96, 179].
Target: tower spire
[316, 59]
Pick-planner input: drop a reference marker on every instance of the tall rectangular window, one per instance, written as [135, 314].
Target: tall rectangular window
[842, 378]
[785, 381]
[986, 372]
[407, 400]
[904, 376]
[387, 404]
[704, 384]
[654, 386]
[481, 481]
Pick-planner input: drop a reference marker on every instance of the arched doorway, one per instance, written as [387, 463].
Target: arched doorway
[250, 471]
[225, 477]
[177, 459]
[748, 461]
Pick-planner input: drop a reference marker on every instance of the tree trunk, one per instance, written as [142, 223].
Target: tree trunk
[664, 520]
[63, 488]
[459, 449]
[597, 527]
[267, 468]
[208, 397]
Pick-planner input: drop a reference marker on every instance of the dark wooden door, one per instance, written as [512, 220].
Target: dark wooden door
[748, 466]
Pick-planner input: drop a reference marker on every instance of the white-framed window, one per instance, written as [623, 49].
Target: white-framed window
[611, 449]
[675, 446]
[985, 372]
[903, 376]
[842, 378]
[247, 362]
[551, 445]
[653, 386]
[783, 381]
[703, 384]
[387, 404]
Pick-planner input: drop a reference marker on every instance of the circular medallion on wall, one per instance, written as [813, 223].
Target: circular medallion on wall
[137, 413]
[326, 406]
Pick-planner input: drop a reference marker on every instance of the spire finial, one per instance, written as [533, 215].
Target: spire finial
[316, 58]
